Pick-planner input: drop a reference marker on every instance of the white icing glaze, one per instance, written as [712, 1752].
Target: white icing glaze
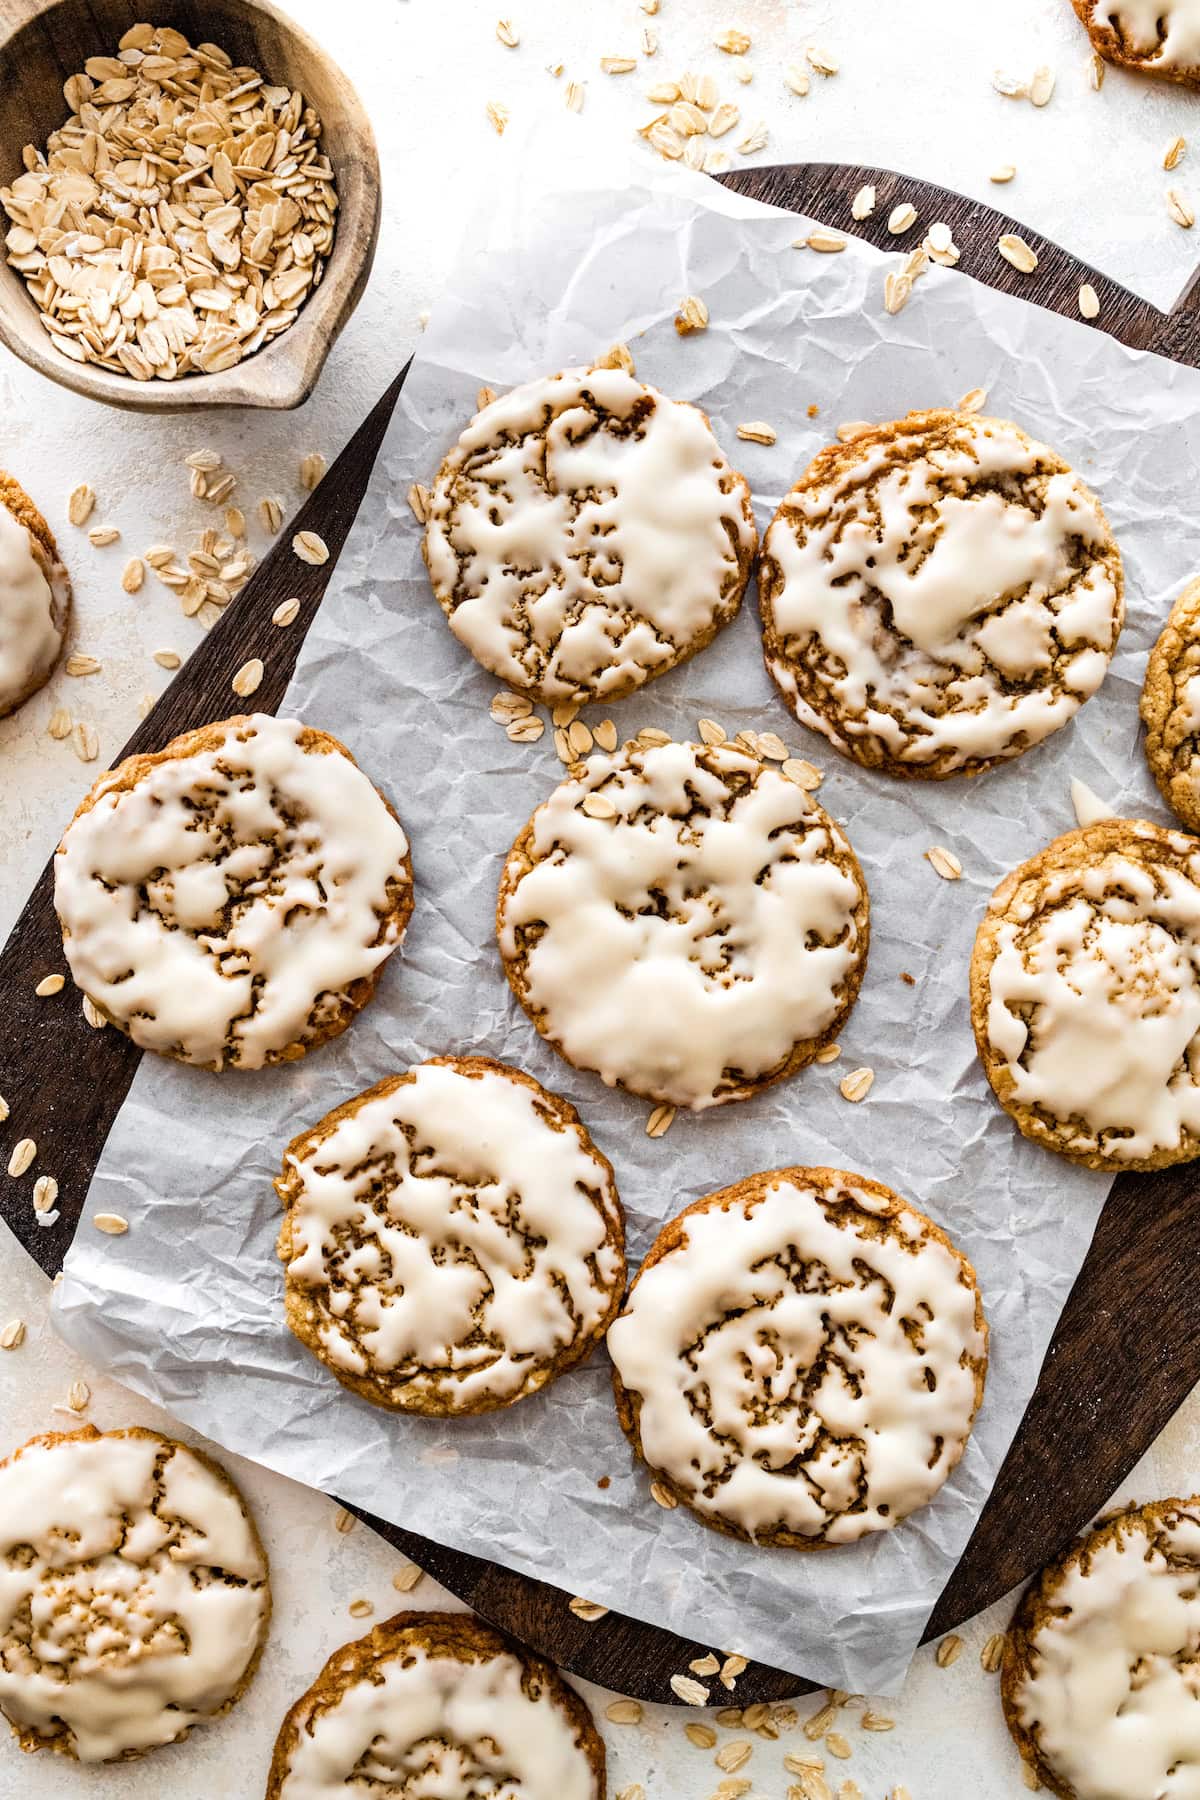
[757, 940]
[465, 1234]
[722, 1337]
[1113, 1697]
[579, 555]
[1107, 973]
[434, 1726]
[1089, 807]
[138, 1601]
[230, 895]
[32, 609]
[1138, 21]
[927, 597]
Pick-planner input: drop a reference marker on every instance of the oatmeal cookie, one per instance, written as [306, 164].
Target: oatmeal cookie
[586, 534]
[437, 1703]
[800, 1358]
[1157, 37]
[230, 900]
[938, 595]
[134, 1600]
[1100, 1666]
[1085, 996]
[453, 1238]
[1171, 708]
[685, 920]
[35, 597]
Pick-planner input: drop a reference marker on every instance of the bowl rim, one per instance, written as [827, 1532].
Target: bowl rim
[284, 372]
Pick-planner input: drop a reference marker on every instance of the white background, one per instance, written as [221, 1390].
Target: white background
[913, 93]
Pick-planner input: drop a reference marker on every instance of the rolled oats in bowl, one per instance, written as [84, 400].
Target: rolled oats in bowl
[180, 217]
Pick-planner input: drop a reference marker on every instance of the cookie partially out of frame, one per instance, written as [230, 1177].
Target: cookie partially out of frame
[231, 899]
[134, 1595]
[453, 1240]
[1156, 37]
[1100, 1663]
[800, 1358]
[35, 597]
[1170, 708]
[1085, 996]
[437, 1703]
[938, 595]
[685, 920]
[586, 534]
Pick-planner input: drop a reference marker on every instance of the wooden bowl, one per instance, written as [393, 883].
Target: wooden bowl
[41, 44]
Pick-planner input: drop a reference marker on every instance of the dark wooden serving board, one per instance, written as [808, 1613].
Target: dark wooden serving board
[1127, 1348]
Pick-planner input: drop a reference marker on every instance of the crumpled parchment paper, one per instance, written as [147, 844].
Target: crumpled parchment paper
[568, 253]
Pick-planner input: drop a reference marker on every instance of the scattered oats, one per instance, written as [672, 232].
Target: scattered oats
[900, 1792]
[723, 119]
[692, 1693]
[649, 41]
[829, 1054]
[418, 499]
[852, 429]
[221, 490]
[133, 575]
[1095, 70]
[939, 240]
[93, 1015]
[828, 242]
[1042, 85]
[1013, 87]
[1180, 208]
[948, 1650]
[710, 732]
[360, 1609]
[527, 730]
[754, 141]
[849, 1790]
[772, 747]
[838, 1745]
[733, 43]
[705, 1665]
[248, 678]
[706, 94]
[13, 1336]
[207, 461]
[634, 1791]
[731, 1668]
[1016, 251]
[796, 1764]
[286, 612]
[649, 6]
[587, 1609]
[574, 96]
[78, 1395]
[50, 984]
[902, 218]
[605, 734]
[857, 1084]
[87, 744]
[82, 665]
[4, 1109]
[796, 79]
[103, 535]
[734, 1755]
[818, 1723]
[111, 1224]
[973, 400]
[506, 706]
[497, 116]
[944, 862]
[198, 485]
[167, 659]
[235, 522]
[663, 93]
[703, 1736]
[820, 60]
[1003, 173]
[659, 135]
[80, 504]
[688, 120]
[873, 1721]
[663, 1496]
[407, 1576]
[160, 556]
[617, 357]
[812, 1787]
[60, 723]
[1174, 153]
[692, 316]
[756, 432]
[863, 203]
[618, 65]
[45, 1193]
[562, 746]
[146, 705]
[344, 1521]
[506, 33]
[310, 548]
[1029, 1776]
[624, 1712]
[897, 290]
[270, 515]
[660, 1121]
[312, 469]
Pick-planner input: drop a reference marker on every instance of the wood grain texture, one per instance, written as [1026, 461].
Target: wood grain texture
[42, 43]
[1127, 1349]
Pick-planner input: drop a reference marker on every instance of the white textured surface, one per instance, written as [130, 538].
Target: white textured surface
[913, 92]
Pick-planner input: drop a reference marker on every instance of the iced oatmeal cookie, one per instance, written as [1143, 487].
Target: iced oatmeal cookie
[586, 533]
[453, 1238]
[938, 595]
[35, 597]
[800, 1358]
[230, 900]
[1085, 996]
[1101, 1663]
[685, 920]
[1171, 708]
[1157, 37]
[436, 1703]
[134, 1596]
